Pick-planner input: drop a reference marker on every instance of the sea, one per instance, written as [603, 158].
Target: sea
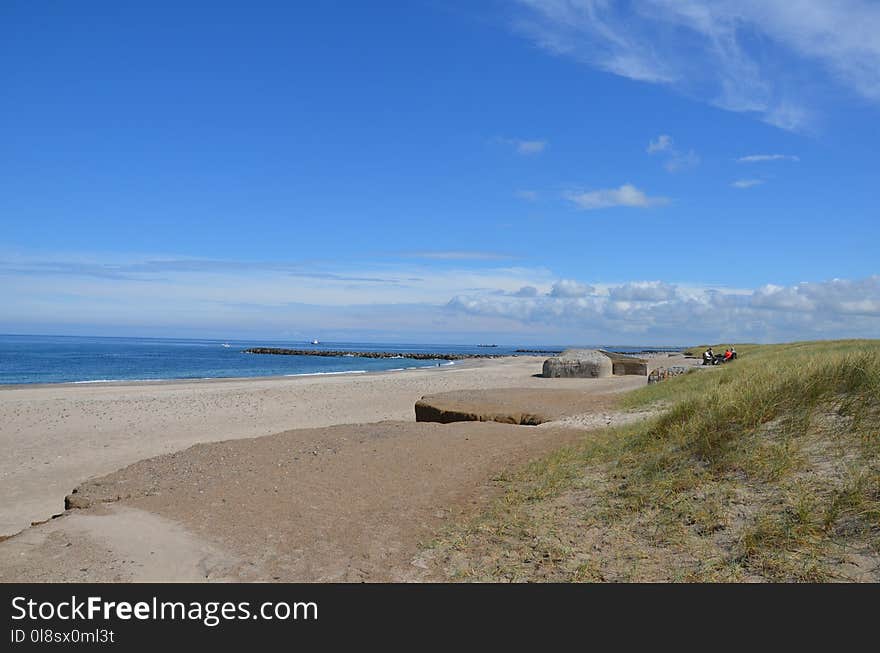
[27, 359]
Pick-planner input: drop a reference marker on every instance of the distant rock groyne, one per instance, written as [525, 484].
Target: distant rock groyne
[365, 354]
[539, 351]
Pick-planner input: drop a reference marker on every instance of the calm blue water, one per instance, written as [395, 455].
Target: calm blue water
[71, 359]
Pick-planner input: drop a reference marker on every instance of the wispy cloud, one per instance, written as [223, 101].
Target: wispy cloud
[675, 160]
[459, 255]
[739, 55]
[660, 144]
[528, 195]
[759, 158]
[329, 276]
[164, 270]
[525, 147]
[747, 183]
[137, 270]
[152, 279]
[626, 195]
[682, 161]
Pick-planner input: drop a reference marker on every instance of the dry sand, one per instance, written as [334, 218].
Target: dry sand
[342, 503]
[333, 504]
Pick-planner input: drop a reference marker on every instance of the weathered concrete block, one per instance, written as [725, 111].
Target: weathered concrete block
[579, 363]
[453, 407]
[634, 366]
[627, 365]
[524, 406]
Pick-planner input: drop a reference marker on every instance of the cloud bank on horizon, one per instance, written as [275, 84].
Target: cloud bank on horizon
[516, 304]
[658, 311]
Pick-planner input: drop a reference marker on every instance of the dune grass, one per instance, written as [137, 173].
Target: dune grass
[767, 468]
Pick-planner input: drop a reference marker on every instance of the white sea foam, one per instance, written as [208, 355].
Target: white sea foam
[328, 373]
[119, 381]
[95, 381]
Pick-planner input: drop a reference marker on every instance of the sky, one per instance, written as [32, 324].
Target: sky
[523, 171]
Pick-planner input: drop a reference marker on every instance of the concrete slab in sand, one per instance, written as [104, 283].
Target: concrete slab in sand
[342, 503]
[527, 406]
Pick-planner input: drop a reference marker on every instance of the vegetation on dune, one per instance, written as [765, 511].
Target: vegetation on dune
[767, 468]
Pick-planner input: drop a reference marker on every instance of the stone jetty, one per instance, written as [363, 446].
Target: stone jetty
[277, 351]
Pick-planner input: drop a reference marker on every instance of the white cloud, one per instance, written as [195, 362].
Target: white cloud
[681, 161]
[758, 158]
[675, 159]
[625, 195]
[747, 183]
[531, 147]
[661, 312]
[643, 291]
[525, 147]
[168, 295]
[569, 288]
[836, 297]
[458, 255]
[145, 285]
[526, 291]
[739, 55]
[660, 144]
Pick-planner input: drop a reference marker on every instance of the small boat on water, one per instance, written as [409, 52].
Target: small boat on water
[227, 345]
[315, 342]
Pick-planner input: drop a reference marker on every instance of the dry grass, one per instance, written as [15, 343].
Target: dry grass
[766, 469]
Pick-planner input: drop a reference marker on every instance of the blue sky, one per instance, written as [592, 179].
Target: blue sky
[524, 171]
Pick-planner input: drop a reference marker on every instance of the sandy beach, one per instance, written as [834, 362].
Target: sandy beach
[376, 487]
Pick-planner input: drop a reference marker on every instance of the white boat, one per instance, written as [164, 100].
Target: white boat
[315, 342]
[227, 345]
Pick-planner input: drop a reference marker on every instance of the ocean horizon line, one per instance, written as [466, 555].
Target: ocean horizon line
[390, 343]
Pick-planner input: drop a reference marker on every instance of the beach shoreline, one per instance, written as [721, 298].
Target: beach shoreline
[222, 379]
[61, 435]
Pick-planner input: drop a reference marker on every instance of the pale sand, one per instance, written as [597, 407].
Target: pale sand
[341, 503]
[56, 437]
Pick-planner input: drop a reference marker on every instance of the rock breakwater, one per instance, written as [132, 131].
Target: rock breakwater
[277, 351]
